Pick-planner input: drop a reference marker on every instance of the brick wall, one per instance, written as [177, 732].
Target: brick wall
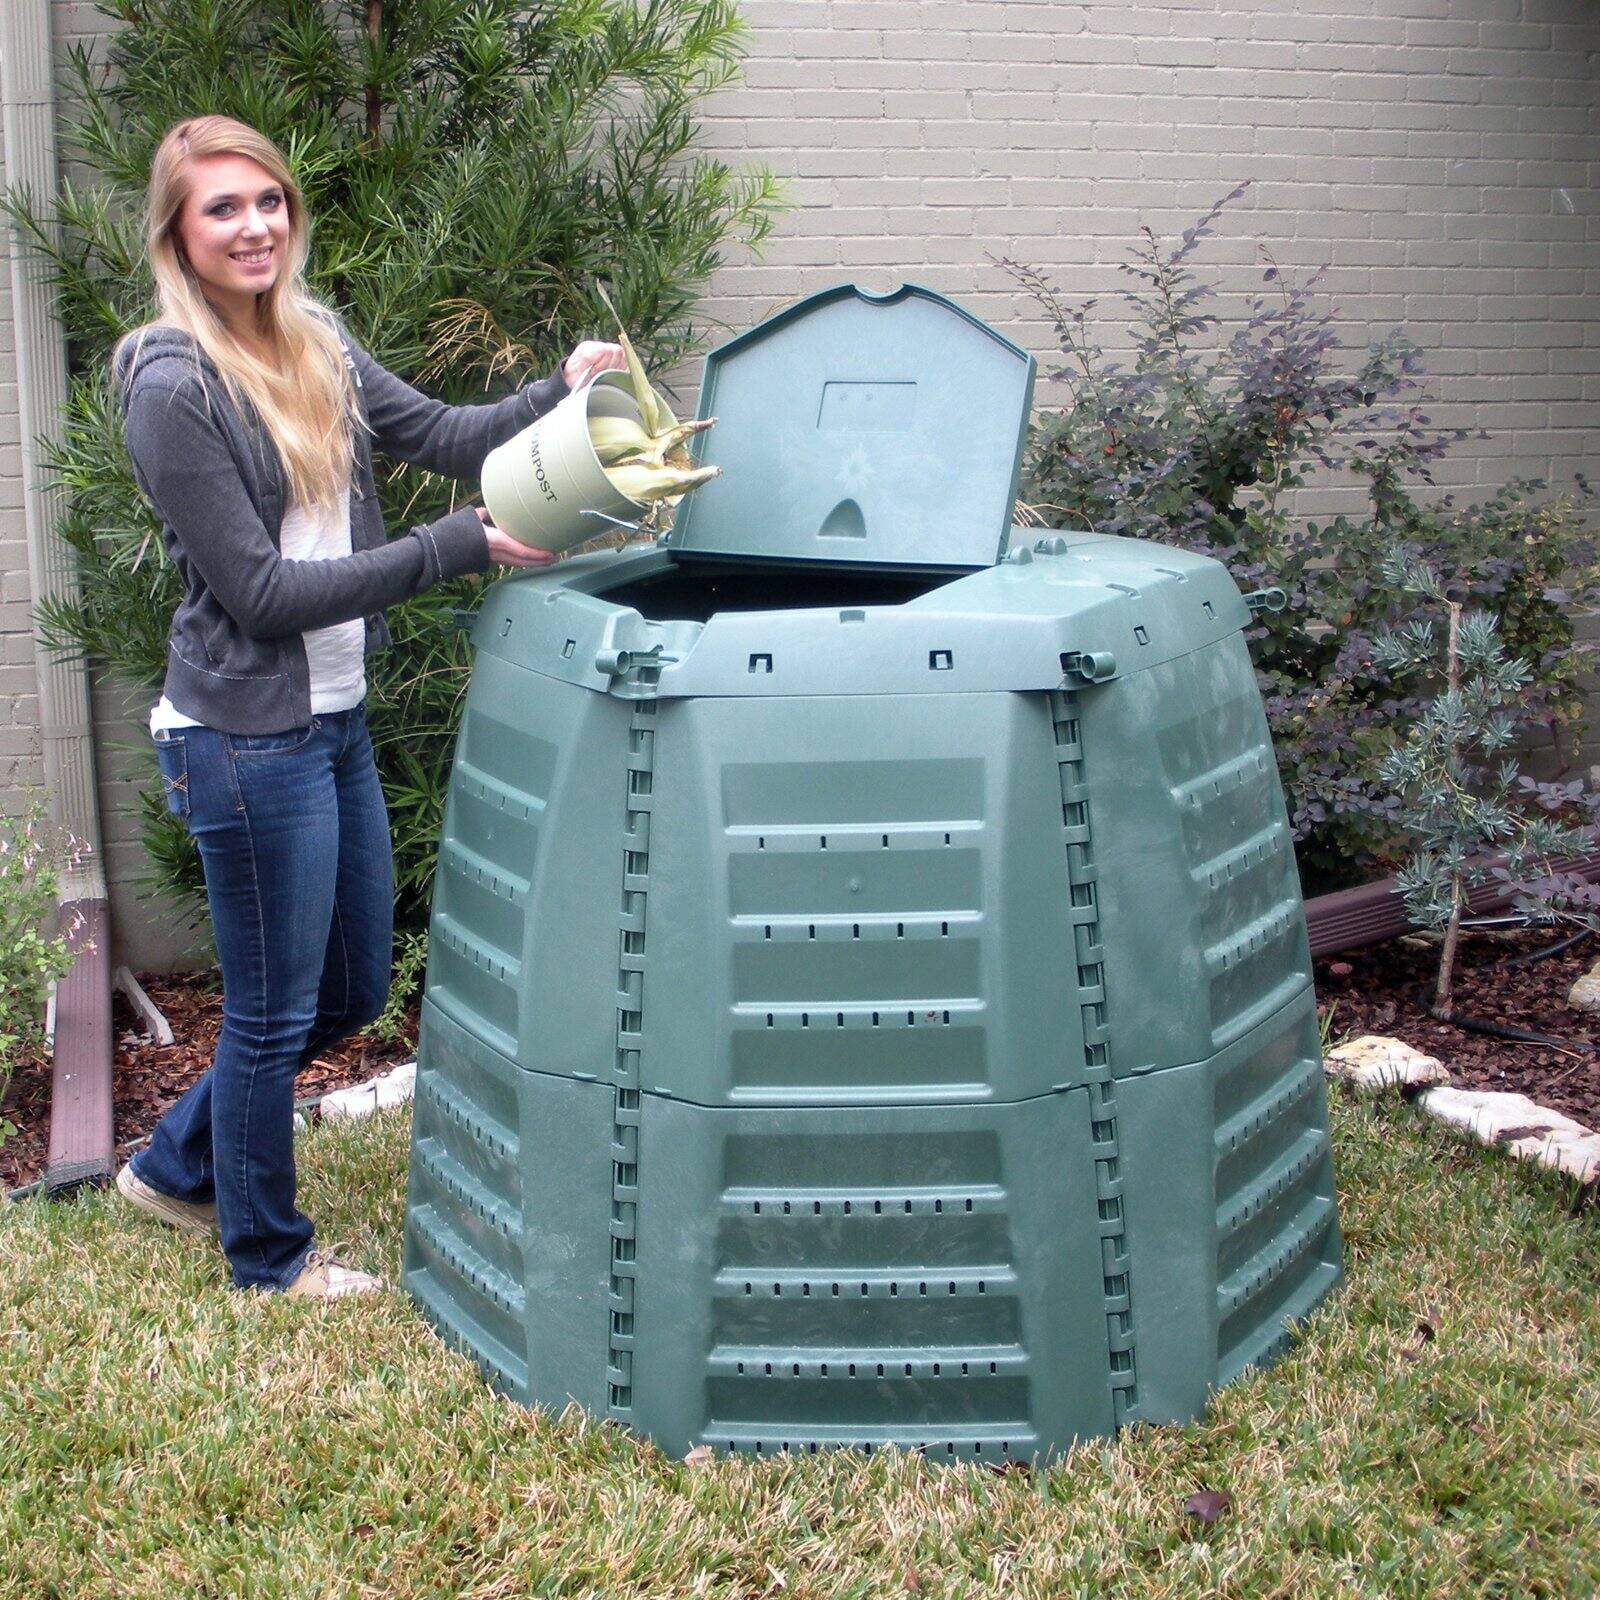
[1439, 157]
[146, 933]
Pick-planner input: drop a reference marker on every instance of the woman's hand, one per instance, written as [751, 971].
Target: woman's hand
[508, 552]
[589, 358]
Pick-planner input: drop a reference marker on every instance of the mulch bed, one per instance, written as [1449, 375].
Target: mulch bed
[147, 1078]
[1376, 990]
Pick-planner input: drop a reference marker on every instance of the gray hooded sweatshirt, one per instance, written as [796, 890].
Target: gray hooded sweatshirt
[236, 658]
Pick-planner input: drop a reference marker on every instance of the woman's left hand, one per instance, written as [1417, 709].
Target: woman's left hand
[505, 551]
[588, 359]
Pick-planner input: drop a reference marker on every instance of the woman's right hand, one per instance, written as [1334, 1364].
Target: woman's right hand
[505, 551]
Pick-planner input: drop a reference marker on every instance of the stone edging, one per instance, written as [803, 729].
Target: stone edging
[1519, 1125]
[1510, 1122]
[382, 1093]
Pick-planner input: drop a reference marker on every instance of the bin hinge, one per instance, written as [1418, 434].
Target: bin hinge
[628, 663]
[1088, 666]
[637, 652]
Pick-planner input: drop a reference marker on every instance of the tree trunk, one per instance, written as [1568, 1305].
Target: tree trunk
[1443, 1002]
[1443, 988]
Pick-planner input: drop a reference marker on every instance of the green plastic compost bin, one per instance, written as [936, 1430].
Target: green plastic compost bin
[868, 998]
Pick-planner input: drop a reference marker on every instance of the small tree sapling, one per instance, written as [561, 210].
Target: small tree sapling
[1463, 802]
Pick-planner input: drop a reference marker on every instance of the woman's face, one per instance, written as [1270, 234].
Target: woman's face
[234, 229]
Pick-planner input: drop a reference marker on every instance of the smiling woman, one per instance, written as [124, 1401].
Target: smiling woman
[227, 239]
[250, 416]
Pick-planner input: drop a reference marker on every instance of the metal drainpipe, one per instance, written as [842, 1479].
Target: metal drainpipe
[81, 1102]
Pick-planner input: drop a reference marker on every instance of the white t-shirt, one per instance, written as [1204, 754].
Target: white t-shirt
[336, 654]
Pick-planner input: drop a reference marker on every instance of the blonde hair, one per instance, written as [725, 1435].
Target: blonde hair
[302, 392]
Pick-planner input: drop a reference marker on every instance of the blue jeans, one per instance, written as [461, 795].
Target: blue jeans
[294, 840]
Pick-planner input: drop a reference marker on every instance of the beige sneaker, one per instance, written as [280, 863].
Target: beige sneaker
[324, 1278]
[189, 1215]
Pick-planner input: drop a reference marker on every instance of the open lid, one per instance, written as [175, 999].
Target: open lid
[859, 428]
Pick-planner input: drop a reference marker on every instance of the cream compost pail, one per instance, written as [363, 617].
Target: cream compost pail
[545, 486]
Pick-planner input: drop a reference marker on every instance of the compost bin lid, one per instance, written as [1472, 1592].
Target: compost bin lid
[863, 429]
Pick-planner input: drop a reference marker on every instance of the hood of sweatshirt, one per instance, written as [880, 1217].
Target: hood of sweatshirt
[153, 346]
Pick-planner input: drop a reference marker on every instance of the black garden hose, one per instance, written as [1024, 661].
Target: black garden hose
[1495, 1030]
[1460, 1019]
[1548, 950]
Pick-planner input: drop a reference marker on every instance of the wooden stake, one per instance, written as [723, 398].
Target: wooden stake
[374, 97]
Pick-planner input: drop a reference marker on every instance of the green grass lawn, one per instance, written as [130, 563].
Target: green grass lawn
[163, 1436]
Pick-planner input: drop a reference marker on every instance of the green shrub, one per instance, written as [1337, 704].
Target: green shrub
[470, 172]
[31, 958]
[393, 1026]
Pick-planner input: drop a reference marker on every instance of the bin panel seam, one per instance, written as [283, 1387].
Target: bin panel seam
[1084, 916]
[631, 926]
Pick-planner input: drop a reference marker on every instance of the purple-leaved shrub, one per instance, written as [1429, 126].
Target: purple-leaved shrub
[1198, 439]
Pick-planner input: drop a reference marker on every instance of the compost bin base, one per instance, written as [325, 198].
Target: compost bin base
[147, 1077]
[1379, 994]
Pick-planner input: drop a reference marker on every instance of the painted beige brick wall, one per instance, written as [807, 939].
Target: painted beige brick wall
[1439, 157]
[146, 932]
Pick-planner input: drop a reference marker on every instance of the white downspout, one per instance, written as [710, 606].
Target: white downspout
[27, 102]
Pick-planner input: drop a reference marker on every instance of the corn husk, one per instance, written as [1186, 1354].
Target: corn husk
[643, 480]
[618, 439]
[648, 460]
[649, 402]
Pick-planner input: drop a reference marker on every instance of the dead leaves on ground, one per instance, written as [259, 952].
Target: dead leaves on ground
[1209, 1505]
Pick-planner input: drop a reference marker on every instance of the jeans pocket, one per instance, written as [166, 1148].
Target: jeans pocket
[172, 758]
[272, 744]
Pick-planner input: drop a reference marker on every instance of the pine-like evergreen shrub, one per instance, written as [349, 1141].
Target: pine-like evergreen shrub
[32, 954]
[470, 172]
